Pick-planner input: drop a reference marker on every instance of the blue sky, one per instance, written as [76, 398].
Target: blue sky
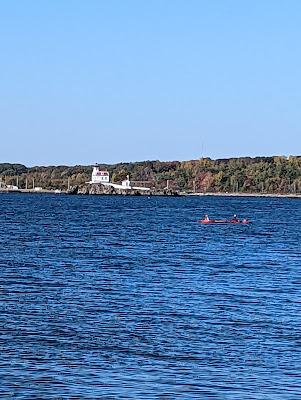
[125, 80]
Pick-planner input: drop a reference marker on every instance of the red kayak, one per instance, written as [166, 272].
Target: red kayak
[213, 221]
[222, 221]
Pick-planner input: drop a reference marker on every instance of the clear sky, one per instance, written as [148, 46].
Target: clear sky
[126, 80]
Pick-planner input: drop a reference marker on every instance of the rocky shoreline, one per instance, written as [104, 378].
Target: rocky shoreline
[109, 190]
[235, 194]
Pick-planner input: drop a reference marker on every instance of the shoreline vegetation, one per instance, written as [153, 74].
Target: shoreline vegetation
[245, 176]
[233, 194]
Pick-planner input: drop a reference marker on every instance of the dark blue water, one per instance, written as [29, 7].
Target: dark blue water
[128, 297]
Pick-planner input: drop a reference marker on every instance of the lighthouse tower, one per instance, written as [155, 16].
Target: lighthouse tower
[99, 176]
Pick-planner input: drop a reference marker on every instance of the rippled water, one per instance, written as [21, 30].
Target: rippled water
[128, 297]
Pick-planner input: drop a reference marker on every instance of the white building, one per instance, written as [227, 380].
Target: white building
[12, 187]
[99, 176]
[103, 178]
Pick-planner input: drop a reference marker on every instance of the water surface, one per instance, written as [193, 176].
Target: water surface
[130, 298]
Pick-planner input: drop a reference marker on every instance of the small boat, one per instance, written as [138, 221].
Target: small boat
[213, 221]
[223, 221]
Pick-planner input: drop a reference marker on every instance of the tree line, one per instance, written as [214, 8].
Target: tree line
[277, 174]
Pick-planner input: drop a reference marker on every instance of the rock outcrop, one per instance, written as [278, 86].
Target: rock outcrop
[109, 190]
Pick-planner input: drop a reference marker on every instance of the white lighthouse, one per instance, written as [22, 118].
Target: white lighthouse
[103, 178]
[99, 176]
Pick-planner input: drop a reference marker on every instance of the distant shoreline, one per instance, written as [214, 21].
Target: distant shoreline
[287, 195]
[277, 176]
[208, 194]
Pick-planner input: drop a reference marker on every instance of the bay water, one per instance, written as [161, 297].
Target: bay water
[130, 298]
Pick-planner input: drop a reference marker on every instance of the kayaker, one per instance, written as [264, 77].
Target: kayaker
[206, 217]
[234, 219]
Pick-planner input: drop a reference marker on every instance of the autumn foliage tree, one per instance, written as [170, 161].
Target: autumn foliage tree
[243, 175]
